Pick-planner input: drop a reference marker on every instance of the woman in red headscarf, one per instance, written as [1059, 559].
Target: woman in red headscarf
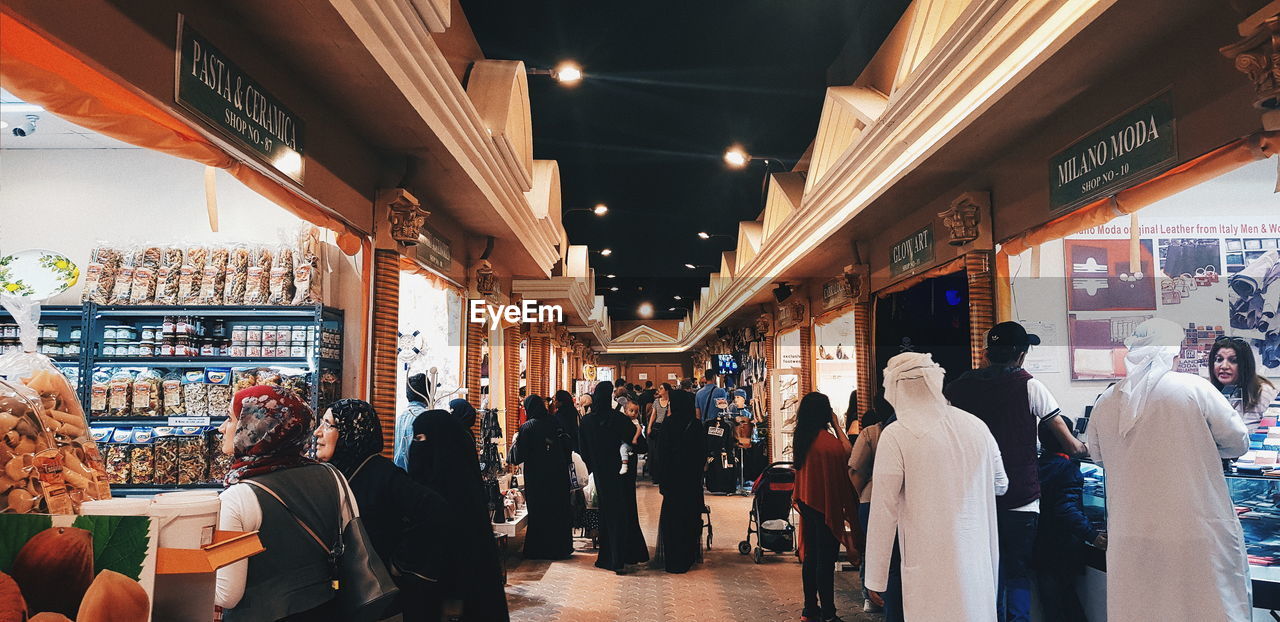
[266, 435]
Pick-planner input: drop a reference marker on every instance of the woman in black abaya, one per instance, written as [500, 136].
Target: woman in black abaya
[542, 447]
[601, 433]
[679, 477]
[442, 457]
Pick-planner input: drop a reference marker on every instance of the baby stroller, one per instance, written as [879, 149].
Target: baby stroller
[771, 513]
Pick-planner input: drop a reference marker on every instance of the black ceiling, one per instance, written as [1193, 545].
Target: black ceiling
[668, 86]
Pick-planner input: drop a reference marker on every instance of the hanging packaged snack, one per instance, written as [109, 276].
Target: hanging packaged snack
[237, 275]
[218, 385]
[99, 393]
[146, 268]
[100, 275]
[124, 279]
[119, 393]
[147, 394]
[191, 275]
[23, 437]
[168, 276]
[280, 285]
[171, 392]
[166, 444]
[142, 456]
[258, 287]
[298, 383]
[215, 276]
[219, 463]
[193, 458]
[195, 393]
[243, 379]
[269, 375]
[306, 268]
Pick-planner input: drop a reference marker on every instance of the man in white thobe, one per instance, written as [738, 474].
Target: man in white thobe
[1175, 548]
[937, 474]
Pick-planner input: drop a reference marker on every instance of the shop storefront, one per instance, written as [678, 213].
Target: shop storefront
[835, 353]
[430, 334]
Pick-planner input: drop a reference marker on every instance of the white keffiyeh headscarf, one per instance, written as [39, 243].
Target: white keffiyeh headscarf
[1152, 348]
[913, 385]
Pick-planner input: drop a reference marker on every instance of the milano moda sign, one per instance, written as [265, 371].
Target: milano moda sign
[220, 93]
[1134, 147]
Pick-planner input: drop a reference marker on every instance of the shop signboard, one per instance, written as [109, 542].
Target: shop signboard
[912, 252]
[433, 250]
[1133, 147]
[835, 293]
[211, 86]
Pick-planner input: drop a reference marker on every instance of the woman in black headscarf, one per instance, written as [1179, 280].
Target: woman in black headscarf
[403, 517]
[601, 434]
[543, 448]
[567, 414]
[679, 477]
[465, 413]
[442, 457]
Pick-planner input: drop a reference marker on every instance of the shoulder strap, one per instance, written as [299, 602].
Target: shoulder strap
[366, 461]
[311, 532]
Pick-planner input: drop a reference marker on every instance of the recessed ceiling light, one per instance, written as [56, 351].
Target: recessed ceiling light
[613, 289]
[605, 252]
[677, 297]
[610, 276]
[646, 309]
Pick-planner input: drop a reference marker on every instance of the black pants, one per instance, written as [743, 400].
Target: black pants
[1017, 539]
[1058, 598]
[819, 568]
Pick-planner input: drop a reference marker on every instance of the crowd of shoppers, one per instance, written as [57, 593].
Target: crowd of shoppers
[968, 494]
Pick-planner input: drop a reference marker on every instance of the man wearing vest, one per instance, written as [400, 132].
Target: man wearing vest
[1013, 405]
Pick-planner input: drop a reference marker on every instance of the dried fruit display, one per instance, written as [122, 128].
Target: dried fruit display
[118, 463]
[237, 276]
[193, 459]
[165, 468]
[146, 400]
[280, 285]
[215, 276]
[258, 286]
[306, 269]
[171, 390]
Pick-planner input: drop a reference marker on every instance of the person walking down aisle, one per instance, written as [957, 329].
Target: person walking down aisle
[1059, 557]
[862, 475]
[567, 415]
[1013, 405]
[1175, 549]
[442, 457]
[826, 502]
[602, 432]
[404, 519]
[658, 412]
[265, 436]
[1235, 373]
[937, 472]
[707, 397]
[543, 448]
[678, 473]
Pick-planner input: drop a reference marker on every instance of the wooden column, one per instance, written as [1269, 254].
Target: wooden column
[868, 378]
[539, 373]
[473, 355]
[806, 359]
[511, 378]
[979, 267]
[386, 327]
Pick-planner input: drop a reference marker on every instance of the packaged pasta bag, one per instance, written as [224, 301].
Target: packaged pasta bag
[258, 287]
[280, 285]
[117, 455]
[191, 274]
[215, 276]
[193, 457]
[237, 275]
[146, 269]
[123, 286]
[306, 268]
[142, 456]
[99, 392]
[119, 393]
[195, 393]
[171, 390]
[100, 274]
[147, 394]
[165, 455]
[168, 276]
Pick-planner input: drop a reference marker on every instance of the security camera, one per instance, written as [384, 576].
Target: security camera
[28, 128]
[782, 292]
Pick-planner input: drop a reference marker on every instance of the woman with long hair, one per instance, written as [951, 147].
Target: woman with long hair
[602, 433]
[404, 518]
[543, 448]
[567, 414]
[1235, 373]
[825, 498]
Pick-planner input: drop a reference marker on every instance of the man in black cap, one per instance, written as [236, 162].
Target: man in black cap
[1013, 405]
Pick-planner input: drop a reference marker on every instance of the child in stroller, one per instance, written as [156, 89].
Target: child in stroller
[770, 518]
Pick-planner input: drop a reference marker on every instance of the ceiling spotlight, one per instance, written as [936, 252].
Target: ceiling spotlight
[600, 209]
[704, 235]
[646, 309]
[673, 309]
[782, 292]
[736, 157]
[28, 128]
[605, 252]
[613, 289]
[567, 72]
[678, 298]
[610, 276]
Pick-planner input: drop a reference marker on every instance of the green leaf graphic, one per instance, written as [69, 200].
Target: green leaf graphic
[15, 530]
[119, 542]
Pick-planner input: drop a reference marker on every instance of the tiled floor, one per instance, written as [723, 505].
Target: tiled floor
[727, 586]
